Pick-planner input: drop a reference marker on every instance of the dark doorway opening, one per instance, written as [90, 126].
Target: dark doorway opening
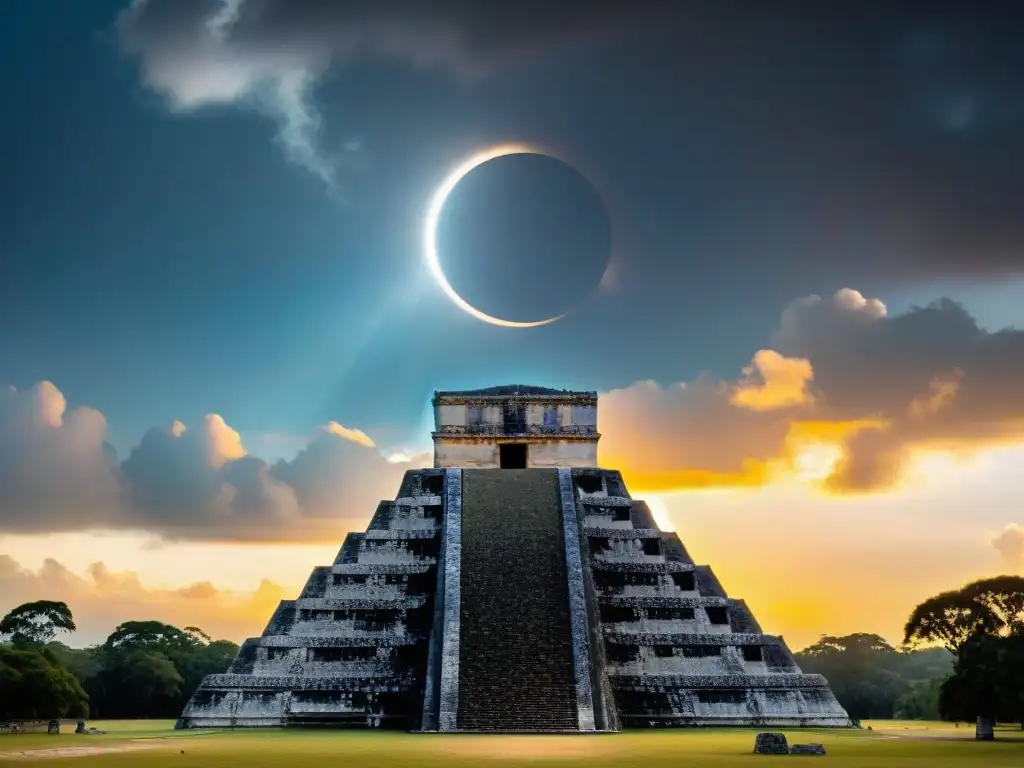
[512, 455]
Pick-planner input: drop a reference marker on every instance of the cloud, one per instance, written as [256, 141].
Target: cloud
[884, 389]
[935, 377]
[772, 382]
[1010, 544]
[846, 389]
[52, 459]
[270, 54]
[58, 474]
[100, 599]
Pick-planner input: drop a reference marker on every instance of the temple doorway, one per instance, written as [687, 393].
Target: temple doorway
[512, 455]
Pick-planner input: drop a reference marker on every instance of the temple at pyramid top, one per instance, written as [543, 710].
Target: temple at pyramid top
[515, 427]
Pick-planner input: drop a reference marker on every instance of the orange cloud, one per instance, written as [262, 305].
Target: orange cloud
[772, 382]
[100, 599]
[885, 388]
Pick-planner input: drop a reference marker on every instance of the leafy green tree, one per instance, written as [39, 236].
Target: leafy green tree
[34, 685]
[952, 619]
[136, 683]
[971, 691]
[149, 635]
[151, 668]
[35, 624]
[982, 608]
[197, 635]
[83, 663]
[923, 664]
[857, 674]
[921, 702]
[1003, 598]
[868, 676]
[983, 624]
[209, 658]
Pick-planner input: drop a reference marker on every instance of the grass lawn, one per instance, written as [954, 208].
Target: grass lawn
[153, 744]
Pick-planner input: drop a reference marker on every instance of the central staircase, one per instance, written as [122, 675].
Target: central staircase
[515, 652]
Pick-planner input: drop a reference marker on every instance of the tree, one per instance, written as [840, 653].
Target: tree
[83, 663]
[921, 702]
[1003, 597]
[138, 683]
[151, 635]
[33, 685]
[982, 608]
[197, 635]
[950, 618]
[983, 624]
[868, 676]
[151, 668]
[209, 658]
[971, 691]
[35, 624]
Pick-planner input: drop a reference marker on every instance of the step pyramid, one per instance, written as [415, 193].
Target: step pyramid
[514, 600]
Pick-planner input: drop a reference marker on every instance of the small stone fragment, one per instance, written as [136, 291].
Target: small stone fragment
[808, 749]
[771, 744]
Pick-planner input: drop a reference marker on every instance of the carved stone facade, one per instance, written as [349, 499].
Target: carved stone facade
[676, 650]
[352, 648]
[517, 599]
[515, 427]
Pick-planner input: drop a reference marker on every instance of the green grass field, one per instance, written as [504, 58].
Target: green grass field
[153, 744]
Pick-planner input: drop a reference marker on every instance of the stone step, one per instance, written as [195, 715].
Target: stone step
[515, 640]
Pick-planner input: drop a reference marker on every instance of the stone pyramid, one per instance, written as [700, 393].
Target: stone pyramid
[513, 589]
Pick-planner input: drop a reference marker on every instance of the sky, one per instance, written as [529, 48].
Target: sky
[788, 242]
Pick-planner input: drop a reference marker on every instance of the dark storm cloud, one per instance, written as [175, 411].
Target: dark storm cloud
[271, 53]
[889, 132]
[467, 36]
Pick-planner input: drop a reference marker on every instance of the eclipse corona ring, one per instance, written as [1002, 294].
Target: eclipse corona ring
[520, 242]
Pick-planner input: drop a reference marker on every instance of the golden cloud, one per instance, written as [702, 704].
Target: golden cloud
[100, 599]
[772, 382]
[845, 379]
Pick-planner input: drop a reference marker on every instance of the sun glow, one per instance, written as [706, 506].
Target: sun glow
[430, 232]
[660, 513]
[816, 461]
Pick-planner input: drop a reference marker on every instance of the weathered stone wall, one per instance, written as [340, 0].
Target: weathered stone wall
[559, 427]
[469, 455]
[563, 453]
[544, 453]
[677, 650]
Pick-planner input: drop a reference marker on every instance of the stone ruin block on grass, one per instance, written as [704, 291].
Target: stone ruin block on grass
[771, 744]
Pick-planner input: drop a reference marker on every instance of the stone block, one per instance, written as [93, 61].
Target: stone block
[771, 744]
[807, 749]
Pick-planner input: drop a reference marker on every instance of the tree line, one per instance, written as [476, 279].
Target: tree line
[144, 669]
[875, 681]
[962, 659]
